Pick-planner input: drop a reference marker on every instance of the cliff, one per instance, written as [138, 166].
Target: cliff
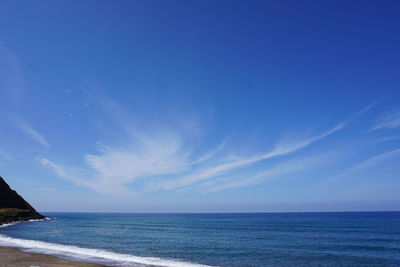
[13, 207]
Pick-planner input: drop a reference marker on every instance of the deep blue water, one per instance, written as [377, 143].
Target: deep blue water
[253, 239]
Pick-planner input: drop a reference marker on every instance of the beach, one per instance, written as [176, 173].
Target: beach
[13, 257]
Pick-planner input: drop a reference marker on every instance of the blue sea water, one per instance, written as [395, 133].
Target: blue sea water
[247, 239]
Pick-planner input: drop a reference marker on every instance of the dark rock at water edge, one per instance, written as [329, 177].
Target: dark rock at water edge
[13, 207]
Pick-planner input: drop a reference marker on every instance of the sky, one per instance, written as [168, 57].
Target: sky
[201, 106]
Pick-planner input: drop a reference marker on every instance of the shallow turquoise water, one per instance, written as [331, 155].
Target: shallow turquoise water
[252, 239]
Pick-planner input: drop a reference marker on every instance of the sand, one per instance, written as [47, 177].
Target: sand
[12, 257]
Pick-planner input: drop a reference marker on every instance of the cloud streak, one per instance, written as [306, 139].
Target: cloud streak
[78, 178]
[164, 158]
[280, 149]
[376, 160]
[27, 129]
[60, 171]
[291, 166]
[388, 121]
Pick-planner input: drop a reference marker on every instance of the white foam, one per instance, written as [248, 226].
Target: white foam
[39, 220]
[32, 220]
[93, 255]
[8, 224]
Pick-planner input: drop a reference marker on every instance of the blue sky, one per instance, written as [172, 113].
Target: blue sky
[201, 106]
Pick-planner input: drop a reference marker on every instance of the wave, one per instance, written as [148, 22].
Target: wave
[39, 220]
[8, 224]
[91, 255]
[31, 220]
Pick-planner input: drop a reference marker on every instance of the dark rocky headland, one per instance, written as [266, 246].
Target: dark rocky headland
[13, 208]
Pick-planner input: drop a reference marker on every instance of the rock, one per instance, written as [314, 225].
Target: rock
[13, 207]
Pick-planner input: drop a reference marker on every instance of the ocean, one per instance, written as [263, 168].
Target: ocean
[244, 239]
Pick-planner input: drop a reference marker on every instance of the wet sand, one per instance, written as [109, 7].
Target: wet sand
[12, 257]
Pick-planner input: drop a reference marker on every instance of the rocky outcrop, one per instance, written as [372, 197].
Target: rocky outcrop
[13, 207]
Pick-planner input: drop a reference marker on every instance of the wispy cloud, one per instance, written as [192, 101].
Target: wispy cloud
[280, 149]
[388, 120]
[81, 178]
[376, 160]
[59, 170]
[143, 153]
[151, 155]
[27, 129]
[113, 168]
[361, 112]
[283, 148]
[212, 153]
[385, 139]
[287, 167]
[164, 158]
[144, 156]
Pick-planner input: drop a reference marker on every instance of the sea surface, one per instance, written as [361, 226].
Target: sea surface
[246, 239]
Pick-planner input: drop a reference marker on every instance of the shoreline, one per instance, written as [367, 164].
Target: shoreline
[4, 223]
[14, 257]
